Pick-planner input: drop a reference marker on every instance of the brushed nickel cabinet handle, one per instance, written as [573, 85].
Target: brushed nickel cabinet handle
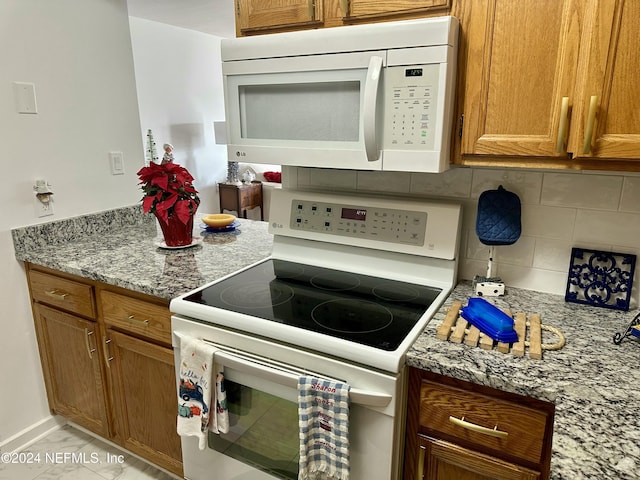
[344, 6]
[591, 120]
[492, 432]
[105, 351]
[312, 9]
[90, 350]
[420, 469]
[562, 127]
[57, 294]
[142, 323]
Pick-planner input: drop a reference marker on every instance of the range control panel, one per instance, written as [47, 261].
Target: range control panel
[372, 223]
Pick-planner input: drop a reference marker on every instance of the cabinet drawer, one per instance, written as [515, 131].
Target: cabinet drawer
[74, 297]
[136, 316]
[523, 428]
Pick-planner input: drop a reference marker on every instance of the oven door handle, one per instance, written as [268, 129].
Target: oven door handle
[290, 379]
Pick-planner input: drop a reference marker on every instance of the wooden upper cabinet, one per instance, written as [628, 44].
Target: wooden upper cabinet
[263, 16]
[522, 61]
[376, 8]
[269, 16]
[607, 103]
[549, 82]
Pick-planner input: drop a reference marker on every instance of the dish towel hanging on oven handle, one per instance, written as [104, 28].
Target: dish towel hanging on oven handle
[323, 412]
[196, 393]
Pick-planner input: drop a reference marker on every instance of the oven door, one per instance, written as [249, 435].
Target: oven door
[263, 441]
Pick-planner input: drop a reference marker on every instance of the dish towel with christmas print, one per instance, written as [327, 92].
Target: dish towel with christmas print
[197, 393]
[323, 412]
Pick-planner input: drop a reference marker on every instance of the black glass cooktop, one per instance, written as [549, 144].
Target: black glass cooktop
[369, 310]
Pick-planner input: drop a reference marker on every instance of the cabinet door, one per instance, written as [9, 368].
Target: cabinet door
[521, 60]
[607, 110]
[439, 460]
[363, 8]
[144, 386]
[263, 15]
[71, 364]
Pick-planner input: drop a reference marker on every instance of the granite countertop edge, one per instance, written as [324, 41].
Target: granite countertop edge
[120, 247]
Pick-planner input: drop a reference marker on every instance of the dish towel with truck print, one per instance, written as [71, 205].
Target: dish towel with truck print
[323, 412]
[196, 394]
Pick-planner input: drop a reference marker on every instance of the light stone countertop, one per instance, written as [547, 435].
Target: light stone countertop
[594, 383]
[119, 247]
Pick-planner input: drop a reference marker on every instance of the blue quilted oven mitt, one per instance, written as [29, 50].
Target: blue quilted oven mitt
[498, 221]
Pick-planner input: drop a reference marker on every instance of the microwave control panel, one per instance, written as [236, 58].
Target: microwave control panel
[382, 224]
[411, 106]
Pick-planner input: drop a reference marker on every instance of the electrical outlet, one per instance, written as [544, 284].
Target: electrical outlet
[43, 208]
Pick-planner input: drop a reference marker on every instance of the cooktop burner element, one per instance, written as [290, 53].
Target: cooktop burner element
[256, 295]
[368, 310]
[349, 315]
[335, 281]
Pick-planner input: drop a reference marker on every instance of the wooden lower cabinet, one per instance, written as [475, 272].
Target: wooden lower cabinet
[457, 430]
[143, 382]
[108, 363]
[72, 367]
[440, 460]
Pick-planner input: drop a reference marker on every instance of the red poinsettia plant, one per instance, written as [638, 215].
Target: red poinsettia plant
[168, 190]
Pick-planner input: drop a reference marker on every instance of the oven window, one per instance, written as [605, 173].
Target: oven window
[263, 431]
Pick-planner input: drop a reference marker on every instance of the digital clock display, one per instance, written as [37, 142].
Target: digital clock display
[413, 72]
[354, 214]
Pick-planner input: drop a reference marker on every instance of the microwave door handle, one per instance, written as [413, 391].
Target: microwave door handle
[370, 107]
[290, 379]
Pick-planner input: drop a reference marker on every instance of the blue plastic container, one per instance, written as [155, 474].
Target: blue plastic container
[490, 320]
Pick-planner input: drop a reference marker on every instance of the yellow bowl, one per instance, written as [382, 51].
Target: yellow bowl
[218, 220]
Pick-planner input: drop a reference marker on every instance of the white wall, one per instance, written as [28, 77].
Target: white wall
[560, 210]
[179, 82]
[78, 55]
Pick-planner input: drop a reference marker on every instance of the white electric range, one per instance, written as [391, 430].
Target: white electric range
[351, 283]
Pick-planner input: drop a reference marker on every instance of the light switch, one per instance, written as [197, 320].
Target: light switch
[116, 160]
[25, 97]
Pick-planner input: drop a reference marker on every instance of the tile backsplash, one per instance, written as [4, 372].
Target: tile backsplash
[560, 210]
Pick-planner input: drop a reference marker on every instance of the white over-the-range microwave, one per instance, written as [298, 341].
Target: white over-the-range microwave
[367, 97]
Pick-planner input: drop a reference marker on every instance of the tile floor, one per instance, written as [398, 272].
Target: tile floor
[71, 454]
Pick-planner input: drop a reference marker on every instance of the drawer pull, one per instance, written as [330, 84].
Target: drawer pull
[90, 350]
[420, 469]
[57, 295]
[133, 319]
[107, 358]
[492, 432]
